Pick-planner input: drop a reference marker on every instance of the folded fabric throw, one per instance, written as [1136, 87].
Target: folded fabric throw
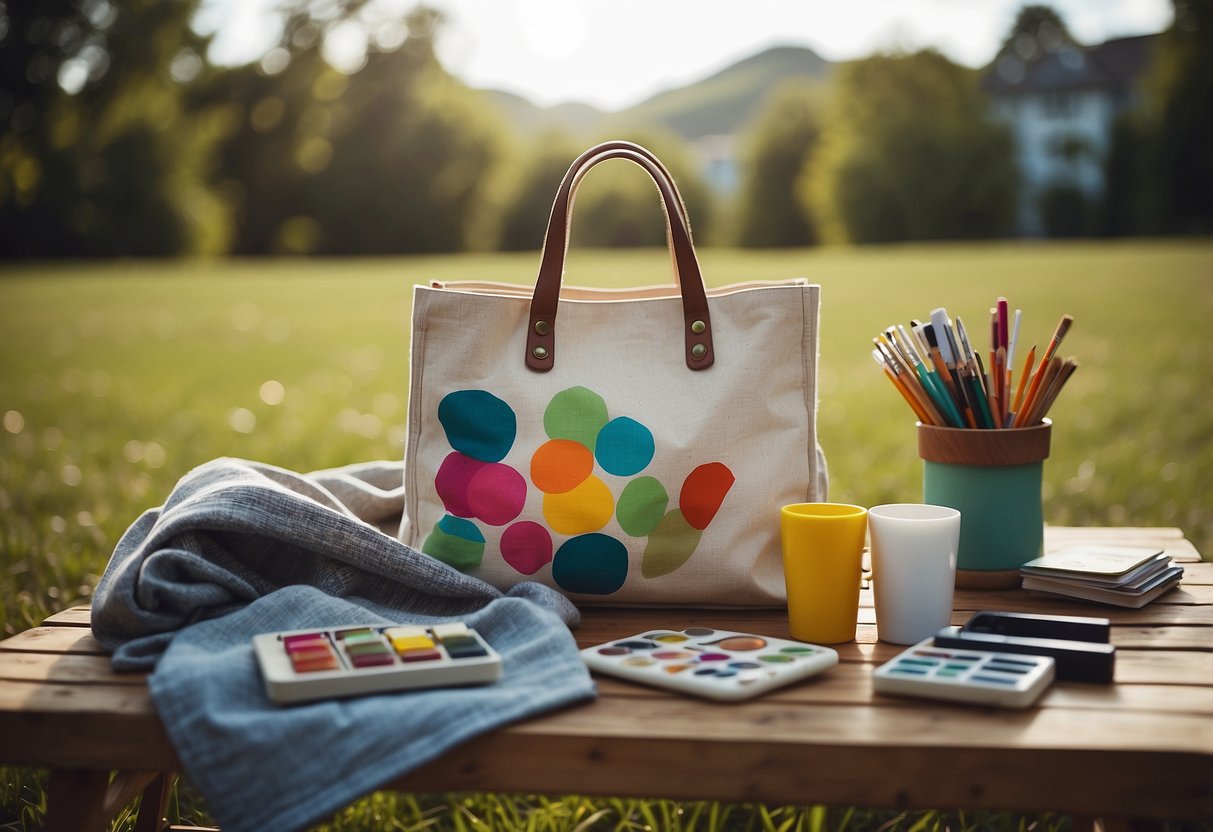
[241, 548]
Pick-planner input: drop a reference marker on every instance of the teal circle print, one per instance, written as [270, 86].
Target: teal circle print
[478, 424]
[624, 447]
[590, 564]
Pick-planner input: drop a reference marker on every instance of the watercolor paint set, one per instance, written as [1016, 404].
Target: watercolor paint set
[715, 664]
[304, 665]
[970, 676]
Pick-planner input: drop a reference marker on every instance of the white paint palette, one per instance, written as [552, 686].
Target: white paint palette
[716, 664]
[1010, 680]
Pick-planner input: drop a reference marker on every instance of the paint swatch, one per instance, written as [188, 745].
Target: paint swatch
[304, 665]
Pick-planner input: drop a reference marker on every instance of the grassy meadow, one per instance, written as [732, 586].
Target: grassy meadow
[117, 378]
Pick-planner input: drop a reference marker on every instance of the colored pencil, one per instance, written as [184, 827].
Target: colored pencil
[907, 378]
[918, 409]
[930, 381]
[1023, 380]
[946, 382]
[1063, 326]
[1011, 368]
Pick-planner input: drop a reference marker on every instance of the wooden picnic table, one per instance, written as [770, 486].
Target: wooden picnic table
[1140, 749]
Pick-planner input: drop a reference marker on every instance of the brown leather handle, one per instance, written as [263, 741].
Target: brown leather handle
[541, 331]
[616, 144]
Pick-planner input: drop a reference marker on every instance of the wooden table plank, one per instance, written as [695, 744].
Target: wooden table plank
[59, 640]
[755, 753]
[82, 726]
[65, 669]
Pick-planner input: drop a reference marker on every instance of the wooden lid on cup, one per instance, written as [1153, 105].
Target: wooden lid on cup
[972, 446]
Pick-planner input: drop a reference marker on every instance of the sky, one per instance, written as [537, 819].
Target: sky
[615, 53]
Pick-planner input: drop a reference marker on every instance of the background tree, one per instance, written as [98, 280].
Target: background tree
[119, 138]
[98, 154]
[1160, 170]
[908, 152]
[777, 149]
[385, 156]
[528, 201]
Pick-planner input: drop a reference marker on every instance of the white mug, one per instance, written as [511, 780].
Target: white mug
[914, 550]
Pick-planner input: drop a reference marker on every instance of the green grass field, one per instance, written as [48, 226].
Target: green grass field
[116, 379]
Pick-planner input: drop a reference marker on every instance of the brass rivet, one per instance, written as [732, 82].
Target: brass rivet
[542, 327]
[540, 353]
[698, 327]
[698, 351]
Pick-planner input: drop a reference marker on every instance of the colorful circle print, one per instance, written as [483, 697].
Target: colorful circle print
[478, 424]
[591, 564]
[576, 414]
[624, 447]
[588, 470]
[526, 546]
[456, 541]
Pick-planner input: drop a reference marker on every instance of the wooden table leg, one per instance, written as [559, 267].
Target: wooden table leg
[154, 806]
[75, 800]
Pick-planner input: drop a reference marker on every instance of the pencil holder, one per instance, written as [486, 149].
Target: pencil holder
[993, 478]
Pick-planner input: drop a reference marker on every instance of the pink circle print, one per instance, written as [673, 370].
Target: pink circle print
[496, 494]
[526, 546]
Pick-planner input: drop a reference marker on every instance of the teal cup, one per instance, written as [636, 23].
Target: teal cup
[993, 478]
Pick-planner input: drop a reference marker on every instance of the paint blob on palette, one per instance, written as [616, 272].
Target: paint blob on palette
[304, 665]
[716, 664]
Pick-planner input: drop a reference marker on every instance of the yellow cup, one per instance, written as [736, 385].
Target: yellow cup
[822, 565]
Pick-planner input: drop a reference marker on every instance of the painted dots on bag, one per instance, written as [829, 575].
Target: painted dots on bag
[702, 493]
[526, 546]
[496, 494]
[560, 465]
[641, 506]
[477, 487]
[488, 491]
[457, 542]
[586, 508]
[669, 546]
[624, 447]
[591, 564]
[576, 414]
[452, 481]
[478, 424]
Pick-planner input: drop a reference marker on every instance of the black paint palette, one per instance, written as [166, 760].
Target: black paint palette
[304, 665]
[716, 664]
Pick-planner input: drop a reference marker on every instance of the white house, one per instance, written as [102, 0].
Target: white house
[1060, 100]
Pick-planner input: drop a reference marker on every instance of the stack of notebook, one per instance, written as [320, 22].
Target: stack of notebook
[1121, 575]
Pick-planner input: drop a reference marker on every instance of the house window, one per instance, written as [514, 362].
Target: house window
[1060, 105]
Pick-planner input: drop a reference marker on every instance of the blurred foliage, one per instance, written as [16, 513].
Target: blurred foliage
[119, 137]
[314, 154]
[778, 147]
[524, 219]
[908, 152]
[1160, 170]
[98, 152]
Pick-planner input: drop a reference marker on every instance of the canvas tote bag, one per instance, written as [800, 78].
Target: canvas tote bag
[627, 446]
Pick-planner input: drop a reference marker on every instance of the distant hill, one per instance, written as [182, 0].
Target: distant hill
[527, 117]
[721, 104]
